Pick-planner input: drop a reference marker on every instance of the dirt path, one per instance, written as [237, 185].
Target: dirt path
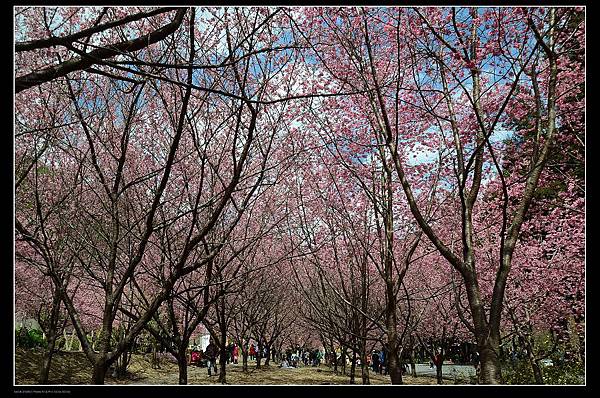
[74, 368]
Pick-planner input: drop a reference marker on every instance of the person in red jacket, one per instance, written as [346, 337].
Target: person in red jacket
[236, 352]
[438, 361]
[195, 358]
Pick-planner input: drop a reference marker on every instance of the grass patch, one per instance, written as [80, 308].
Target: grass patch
[74, 368]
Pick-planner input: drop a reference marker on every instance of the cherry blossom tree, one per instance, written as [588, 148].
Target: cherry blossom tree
[129, 199]
[397, 175]
[478, 63]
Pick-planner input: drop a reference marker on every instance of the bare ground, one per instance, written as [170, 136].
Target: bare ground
[73, 368]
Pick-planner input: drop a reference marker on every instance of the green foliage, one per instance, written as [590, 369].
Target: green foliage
[43, 170]
[63, 344]
[30, 338]
[76, 346]
[143, 343]
[550, 190]
[60, 343]
[567, 372]
[560, 372]
[559, 366]
[517, 372]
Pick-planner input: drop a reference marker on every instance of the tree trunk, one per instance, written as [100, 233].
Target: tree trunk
[45, 370]
[101, 363]
[183, 366]
[122, 363]
[535, 366]
[353, 367]
[155, 357]
[259, 351]
[223, 364]
[413, 366]
[393, 364]
[490, 362]
[335, 361]
[223, 355]
[364, 366]
[537, 372]
[53, 332]
[391, 322]
[245, 361]
[99, 373]
[267, 355]
[487, 336]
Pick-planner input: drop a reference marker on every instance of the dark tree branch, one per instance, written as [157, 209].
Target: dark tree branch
[80, 63]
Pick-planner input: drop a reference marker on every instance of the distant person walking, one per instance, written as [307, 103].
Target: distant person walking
[438, 361]
[375, 361]
[236, 352]
[318, 358]
[211, 353]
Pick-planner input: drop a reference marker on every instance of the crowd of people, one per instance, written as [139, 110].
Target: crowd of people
[208, 357]
[292, 357]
